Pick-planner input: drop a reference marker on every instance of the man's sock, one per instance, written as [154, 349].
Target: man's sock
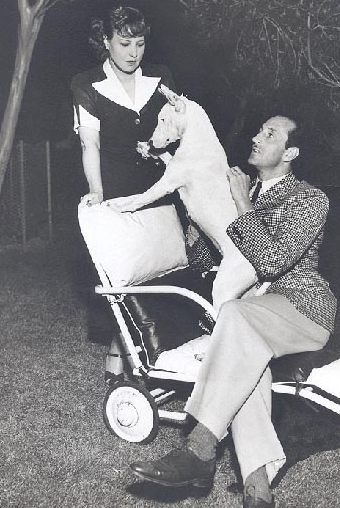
[202, 442]
[258, 482]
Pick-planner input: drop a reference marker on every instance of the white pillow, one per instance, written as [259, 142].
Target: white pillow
[133, 247]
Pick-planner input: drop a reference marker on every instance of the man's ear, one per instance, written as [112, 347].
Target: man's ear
[291, 154]
[180, 106]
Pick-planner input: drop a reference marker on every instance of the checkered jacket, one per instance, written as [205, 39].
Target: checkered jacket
[281, 239]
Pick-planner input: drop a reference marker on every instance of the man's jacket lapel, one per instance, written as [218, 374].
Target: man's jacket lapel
[276, 194]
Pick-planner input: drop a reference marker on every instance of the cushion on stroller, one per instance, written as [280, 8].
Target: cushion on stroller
[185, 359]
[133, 247]
[319, 368]
[298, 367]
[169, 319]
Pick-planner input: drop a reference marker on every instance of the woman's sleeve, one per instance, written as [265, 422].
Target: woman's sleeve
[84, 105]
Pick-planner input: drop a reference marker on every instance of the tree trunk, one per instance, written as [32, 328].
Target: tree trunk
[27, 35]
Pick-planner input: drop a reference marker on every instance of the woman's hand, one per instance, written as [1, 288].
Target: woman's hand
[92, 198]
[239, 188]
[143, 148]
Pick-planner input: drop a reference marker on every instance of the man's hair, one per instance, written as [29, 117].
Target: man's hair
[297, 138]
[294, 135]
[125, 21]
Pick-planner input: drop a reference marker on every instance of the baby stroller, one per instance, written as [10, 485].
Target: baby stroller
[133, 409]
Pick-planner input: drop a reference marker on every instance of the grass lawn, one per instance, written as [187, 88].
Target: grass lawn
[55, 450]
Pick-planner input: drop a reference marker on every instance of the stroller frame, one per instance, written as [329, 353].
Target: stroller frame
[157, 396]
[134, 413]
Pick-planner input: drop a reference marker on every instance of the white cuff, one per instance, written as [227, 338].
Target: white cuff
[85, 119]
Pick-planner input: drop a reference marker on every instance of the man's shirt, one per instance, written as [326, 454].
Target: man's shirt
[266, 184]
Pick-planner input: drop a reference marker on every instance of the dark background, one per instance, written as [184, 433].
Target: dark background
[62, 50]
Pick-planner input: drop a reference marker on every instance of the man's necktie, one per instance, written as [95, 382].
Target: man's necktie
[256, 192]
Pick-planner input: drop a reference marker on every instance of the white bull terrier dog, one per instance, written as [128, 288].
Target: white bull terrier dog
[198, 172]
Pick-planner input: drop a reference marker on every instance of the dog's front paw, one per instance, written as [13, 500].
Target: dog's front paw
[124, 204]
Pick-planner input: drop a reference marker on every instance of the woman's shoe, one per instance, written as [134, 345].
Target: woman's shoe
[111, 378]
[115, 366]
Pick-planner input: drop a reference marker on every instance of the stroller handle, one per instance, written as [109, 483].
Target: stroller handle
[186, 293]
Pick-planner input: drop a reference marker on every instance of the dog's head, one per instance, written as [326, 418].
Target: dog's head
[171, 119]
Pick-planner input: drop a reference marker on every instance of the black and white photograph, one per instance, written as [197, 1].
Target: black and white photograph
[169, 253]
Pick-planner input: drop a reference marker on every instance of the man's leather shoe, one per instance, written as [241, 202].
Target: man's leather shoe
[253, 499]
[177, 469]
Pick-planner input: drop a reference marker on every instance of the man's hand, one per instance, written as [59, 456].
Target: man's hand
[239, 188]
[92, 198]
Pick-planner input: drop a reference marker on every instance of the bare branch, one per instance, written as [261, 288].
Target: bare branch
[277, 38]
[332, 74]
[38, 6]
[327, 80]
[185, 4]
[42, 6]
[334, 15]
[50, 3]
[320, 8]
[285, 37]
[23, 8]
[267, 37]
[276, 81]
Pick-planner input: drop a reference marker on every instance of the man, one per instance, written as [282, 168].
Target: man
[280, 233]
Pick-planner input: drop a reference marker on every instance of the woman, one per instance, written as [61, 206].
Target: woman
[116, 104]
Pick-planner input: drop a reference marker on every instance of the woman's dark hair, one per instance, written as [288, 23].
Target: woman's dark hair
[125, 21]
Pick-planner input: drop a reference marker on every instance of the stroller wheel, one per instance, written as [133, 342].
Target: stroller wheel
[131, 413]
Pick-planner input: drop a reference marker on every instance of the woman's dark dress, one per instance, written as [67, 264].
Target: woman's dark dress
[123, 170]
[101, 103]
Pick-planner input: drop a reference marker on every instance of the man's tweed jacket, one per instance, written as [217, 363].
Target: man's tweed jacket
[281, 239]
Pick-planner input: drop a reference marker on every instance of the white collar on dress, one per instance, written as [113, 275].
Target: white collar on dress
[112, 89]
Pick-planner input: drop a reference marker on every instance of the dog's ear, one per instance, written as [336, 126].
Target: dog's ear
[180, 106]
[171, 96]
[173, 99]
